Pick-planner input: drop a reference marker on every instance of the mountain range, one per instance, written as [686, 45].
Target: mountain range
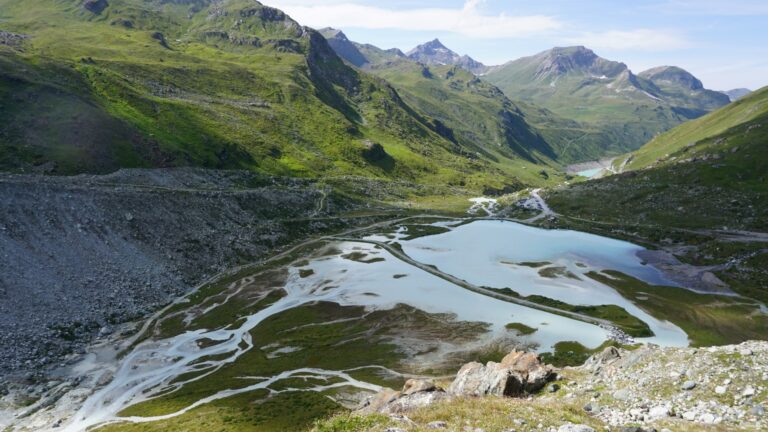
[268, 94]
[576, 83]
[220, 84]
[585, 107]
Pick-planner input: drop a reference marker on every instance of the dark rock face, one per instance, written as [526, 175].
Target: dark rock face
[286, 45]
[343, 47]
[11, 39]
[95, 6]
[374, 152]
[234, 39]
[123, 22]
[160, 38]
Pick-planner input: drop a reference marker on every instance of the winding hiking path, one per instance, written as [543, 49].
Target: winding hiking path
[543, 206]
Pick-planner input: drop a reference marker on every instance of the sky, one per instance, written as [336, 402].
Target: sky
[722, 42]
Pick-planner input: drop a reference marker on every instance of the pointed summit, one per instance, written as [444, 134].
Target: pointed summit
[343, 46]
[332, 33]
[435, 53]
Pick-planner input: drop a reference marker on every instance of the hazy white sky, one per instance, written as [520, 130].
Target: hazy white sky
[723, 42]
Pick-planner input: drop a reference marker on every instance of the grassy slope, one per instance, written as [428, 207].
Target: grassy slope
[288, 106]
[722, 124]
[476, 111]
[482, 122]
[712, 174]
[704, 175]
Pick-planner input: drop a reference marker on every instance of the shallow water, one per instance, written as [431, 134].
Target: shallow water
[590, 172]
[485, 253]
[373, 285]
[482, 252]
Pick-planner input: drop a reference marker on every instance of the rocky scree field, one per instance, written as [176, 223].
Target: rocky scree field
[82, 254]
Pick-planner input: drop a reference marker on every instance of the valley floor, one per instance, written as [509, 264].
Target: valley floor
[307, 342]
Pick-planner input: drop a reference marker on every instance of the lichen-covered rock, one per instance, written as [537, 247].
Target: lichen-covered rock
[379, 401]
[598, 361]
[418, 385]
[519, 373]
[415, 394]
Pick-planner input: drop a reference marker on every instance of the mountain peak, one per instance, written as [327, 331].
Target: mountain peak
[332, 33]
[563, 60]
[736, 94]
[343, 47]
[672, 75]
[572, 56]
[435, 53]
[431, 48]
[435, 44]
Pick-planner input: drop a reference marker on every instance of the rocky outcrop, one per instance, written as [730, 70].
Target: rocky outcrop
[374, 152]
[11, 39]
[518, 374]
[161, 39]
[415, 394]
[597, 362]
[723, 385]
[95, 6]
[645, 389]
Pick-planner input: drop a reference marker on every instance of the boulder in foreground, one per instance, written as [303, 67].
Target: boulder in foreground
[518, 374]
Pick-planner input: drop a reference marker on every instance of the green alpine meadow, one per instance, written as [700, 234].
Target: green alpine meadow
[322, 216]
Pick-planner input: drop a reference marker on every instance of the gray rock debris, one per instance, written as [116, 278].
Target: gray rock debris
[80, 254]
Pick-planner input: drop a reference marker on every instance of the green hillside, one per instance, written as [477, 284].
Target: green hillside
[95, 86]
[704, 137]
[629, 109]
[708, 173]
